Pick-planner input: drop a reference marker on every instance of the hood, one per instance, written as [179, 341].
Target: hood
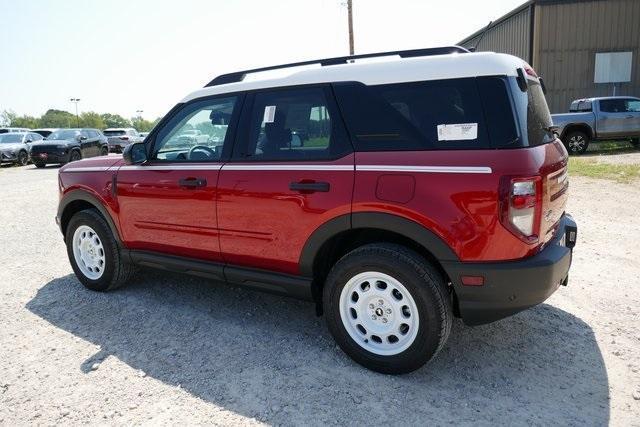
[52, 142]
[103, 162]
[12, 146]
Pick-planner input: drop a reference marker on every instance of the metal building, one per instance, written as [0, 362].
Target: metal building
[581, 48]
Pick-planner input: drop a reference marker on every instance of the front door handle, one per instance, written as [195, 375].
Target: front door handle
[309, 187]
[192, 182]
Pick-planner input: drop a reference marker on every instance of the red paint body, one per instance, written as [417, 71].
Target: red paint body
[251, 217]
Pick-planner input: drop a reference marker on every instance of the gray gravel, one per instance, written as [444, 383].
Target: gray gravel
[171, 349]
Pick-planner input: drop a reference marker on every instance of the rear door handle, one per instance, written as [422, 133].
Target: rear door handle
[192, 182]
[309, 187]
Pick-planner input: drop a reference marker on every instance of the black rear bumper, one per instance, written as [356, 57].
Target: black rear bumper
[513, 286]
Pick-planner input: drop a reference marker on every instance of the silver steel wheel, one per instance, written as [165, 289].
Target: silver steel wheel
[576, 143]
[379, 313]
[88, 252]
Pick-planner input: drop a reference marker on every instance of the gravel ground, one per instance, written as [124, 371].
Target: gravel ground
[170, 349]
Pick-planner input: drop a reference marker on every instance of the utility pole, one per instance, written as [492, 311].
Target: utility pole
[75, 101]
[350, 13]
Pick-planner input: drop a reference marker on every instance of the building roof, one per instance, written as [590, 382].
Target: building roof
[449, 66]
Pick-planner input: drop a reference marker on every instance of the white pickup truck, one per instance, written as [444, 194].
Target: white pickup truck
[599, 119]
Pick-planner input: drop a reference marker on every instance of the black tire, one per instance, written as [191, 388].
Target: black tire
[39, 165]
[104, 151]
[635, 142]
[23, 158]
[424, 284]
[576, 142]
[116, 270]
[75, 156]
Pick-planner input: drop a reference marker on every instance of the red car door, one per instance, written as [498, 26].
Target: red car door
[168, 204]
[292, 170]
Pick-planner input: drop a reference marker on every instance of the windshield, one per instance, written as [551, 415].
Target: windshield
[64, 134]
[114, 132]
[9, 138]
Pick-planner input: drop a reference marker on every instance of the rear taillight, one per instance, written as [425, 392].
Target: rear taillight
[521, 206]
[124, 138]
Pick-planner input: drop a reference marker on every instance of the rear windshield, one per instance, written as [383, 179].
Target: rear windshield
[114, 132]
[533, 113]
[470, 113]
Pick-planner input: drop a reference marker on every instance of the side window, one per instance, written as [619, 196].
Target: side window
[633, 106]
[443, 114]
[197, 132]
[85, 133]
[294, 124]
[35, 136]
[613, 105]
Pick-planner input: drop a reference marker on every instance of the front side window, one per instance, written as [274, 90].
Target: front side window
[293, 124]
[633, 105]
[197, 132]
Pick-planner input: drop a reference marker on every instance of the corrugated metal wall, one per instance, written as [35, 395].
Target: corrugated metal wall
[566, 38]
[509, 36]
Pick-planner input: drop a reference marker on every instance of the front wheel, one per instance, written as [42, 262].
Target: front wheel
[387, 308]
[576, 142]
[104, 151]
[23, 158]
[74, 156]
[94, 253]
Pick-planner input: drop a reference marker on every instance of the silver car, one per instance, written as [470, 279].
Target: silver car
[119, 138]
[15, 147]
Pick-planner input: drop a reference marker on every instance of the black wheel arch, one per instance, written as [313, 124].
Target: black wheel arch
[78, 200]
[577, 127]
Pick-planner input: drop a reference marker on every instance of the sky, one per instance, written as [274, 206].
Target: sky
[121, 56]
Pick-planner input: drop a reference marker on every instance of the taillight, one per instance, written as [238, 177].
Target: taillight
[124, 138]
[521, 206]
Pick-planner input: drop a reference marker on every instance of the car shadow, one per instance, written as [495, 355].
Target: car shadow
[270, 357]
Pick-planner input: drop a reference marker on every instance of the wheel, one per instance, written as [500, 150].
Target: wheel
[104, 151]
[387, 308]
[23, 158]
[94, 253]
[74, 156]
[39, 165]
[635, 142]
[576, 142]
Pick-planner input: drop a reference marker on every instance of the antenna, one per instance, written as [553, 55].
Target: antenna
[474, 48]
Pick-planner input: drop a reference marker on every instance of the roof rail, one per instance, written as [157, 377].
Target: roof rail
[238, 76]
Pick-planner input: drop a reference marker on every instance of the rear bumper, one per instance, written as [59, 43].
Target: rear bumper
[512, 286]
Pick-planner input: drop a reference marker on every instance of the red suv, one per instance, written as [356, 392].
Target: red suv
[395, 194]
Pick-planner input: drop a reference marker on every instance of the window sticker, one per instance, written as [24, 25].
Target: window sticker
[269, 114]
[458, 132]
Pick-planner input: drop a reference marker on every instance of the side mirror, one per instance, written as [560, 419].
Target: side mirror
[83, 138]
[134, 154]
[29, 140]
[296, 141]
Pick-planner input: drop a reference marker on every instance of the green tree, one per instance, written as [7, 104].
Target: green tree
[91, 119]
[26, 122]
[114, 121]
[57, 119]
[142, 125]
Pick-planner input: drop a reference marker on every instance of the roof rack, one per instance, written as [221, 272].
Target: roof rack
[238, 76]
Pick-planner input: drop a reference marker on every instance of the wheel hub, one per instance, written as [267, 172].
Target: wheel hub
[88, 252]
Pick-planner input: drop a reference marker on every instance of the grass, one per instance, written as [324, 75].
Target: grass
[594, 169]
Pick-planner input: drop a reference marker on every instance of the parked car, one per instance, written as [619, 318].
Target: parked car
[45, 132]
[427, 187]
[599, 119]
[15, 147]
[13, 130]
[69, 145]
[119, 138]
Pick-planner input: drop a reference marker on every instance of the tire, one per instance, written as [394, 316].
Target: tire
[23, 158]
[423, 296]
[111, 270]
[104, 151]
[74, 156]
[576, 142]
[39, 165]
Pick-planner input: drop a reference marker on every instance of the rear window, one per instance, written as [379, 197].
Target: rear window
[533, 113]
[114, 132]
[443, 114]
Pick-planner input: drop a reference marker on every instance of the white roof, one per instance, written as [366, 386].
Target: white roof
[396, 70]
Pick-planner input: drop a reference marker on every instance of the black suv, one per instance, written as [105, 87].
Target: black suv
[69, 145]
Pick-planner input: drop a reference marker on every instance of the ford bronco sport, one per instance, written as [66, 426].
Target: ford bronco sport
[395, 194]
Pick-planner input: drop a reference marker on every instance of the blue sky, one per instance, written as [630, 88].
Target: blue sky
[122, 56]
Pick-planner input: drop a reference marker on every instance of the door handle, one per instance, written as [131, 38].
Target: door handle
[192, 182]
[309, 187]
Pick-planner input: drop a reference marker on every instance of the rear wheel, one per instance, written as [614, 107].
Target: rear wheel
[104, 151]
[387, 308]
[23, 158]
[94, 253]
[576, 142]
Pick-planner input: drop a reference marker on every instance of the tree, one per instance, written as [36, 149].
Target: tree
[114, 121]
[7, 117]
[57, 119]
[91, 119]
[142, 125]
[25, 121]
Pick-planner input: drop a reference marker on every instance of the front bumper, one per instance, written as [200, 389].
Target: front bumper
[7, 157]
[512, 286]
[50, 157]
